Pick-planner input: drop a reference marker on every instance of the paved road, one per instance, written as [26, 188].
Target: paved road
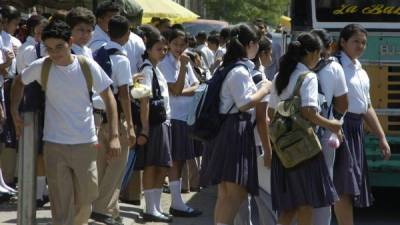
[385, 212]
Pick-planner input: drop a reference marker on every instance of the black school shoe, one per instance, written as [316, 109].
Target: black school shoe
[152, 218]
[189, 212]
[41, 202]
[108, 220]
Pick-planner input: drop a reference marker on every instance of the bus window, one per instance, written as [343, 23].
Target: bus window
[301, 15]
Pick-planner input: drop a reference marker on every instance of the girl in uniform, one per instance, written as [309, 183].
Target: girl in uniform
[332, 84]
[296, 191]
[182, 83]
[350, 172]
[232, 163]
[156, 139]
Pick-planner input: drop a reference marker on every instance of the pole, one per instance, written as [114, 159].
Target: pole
[27, 172]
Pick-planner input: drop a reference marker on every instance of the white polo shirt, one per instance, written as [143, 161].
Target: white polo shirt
[69, 115]
[135, 48]
[82, 50]
[358, 84]
[170, 67]
[308, 89]
[9, 42]
[148, 80]
[99, 39]
[207, 53]
[237, 88]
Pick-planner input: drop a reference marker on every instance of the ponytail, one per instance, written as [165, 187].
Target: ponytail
[306, 43]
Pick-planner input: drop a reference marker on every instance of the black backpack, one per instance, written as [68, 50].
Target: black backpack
[157, 112]
[205, 119]
[102, 57]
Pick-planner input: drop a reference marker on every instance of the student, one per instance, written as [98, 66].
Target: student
[233, 159]
[350, 173]
[181, 84]
[11, 18]
[332, 84]
[155, 139]
[104, 11]
[296, 191]
[69, 133]
[111, 172]
[82, 22]
[207, 54]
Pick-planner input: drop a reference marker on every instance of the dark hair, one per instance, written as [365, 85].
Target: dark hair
[265, 44]
[151, 36]
[57, 29]
[201, 37]
[225, 33]
[59, 16]
[348, 31]
[107, 6]
[9, 13]
[155, 19]
[325, 37]
[214, 39]
[79, 15]
[297, 50]
[118, 26]
[173, 34]
[191, 40]
[178, 26]
[34, 21]
[241, 35]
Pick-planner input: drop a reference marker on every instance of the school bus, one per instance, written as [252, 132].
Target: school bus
[381, 60]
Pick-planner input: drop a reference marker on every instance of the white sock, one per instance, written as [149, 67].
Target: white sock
[177, 201]
[3, 189]
[40, 186]
[3, 184]
[157, 198]
[150, 203]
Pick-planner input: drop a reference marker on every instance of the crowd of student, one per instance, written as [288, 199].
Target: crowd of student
[105, 92]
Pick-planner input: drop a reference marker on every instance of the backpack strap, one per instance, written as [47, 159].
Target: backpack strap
[156, 90]
[44, 76]
[37, 49]
[299, 83]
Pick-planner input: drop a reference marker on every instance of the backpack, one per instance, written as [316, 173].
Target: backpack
[293, 137]
[44, 76]
[204, 118]
[102, 57]
[157, 112]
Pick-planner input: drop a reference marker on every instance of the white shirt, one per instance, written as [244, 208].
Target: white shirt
[121, 69]
[26, 54]
[332, 81]
[148, 80]
[237, 88]
[82, 50]
[99, 39]
[9, 42]
[135, 48]
[170, 67]
[358, 84]
[221, 51]
[207, 55]
[308, 89]
[69, 115]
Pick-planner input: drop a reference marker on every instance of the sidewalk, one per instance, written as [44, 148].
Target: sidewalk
[204, 200]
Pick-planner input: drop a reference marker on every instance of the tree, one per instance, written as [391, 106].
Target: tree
[246, 10]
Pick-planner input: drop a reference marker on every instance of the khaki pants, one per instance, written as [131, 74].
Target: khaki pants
[110, 172]
[8, 157]
[72, 180]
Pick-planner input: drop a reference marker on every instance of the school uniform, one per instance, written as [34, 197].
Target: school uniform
[81, 50]
[157, 151]
[351, 169]
[273, 68]
[70, 138]
[333, 84]
[206, 54]
[135, 48]
[308, 183]
[99, 39]
[232, 156]
[182, 145]
[111, 172]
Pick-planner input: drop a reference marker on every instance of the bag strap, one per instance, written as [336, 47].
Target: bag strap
[299, 83]
[44, 76]
[155, 85]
